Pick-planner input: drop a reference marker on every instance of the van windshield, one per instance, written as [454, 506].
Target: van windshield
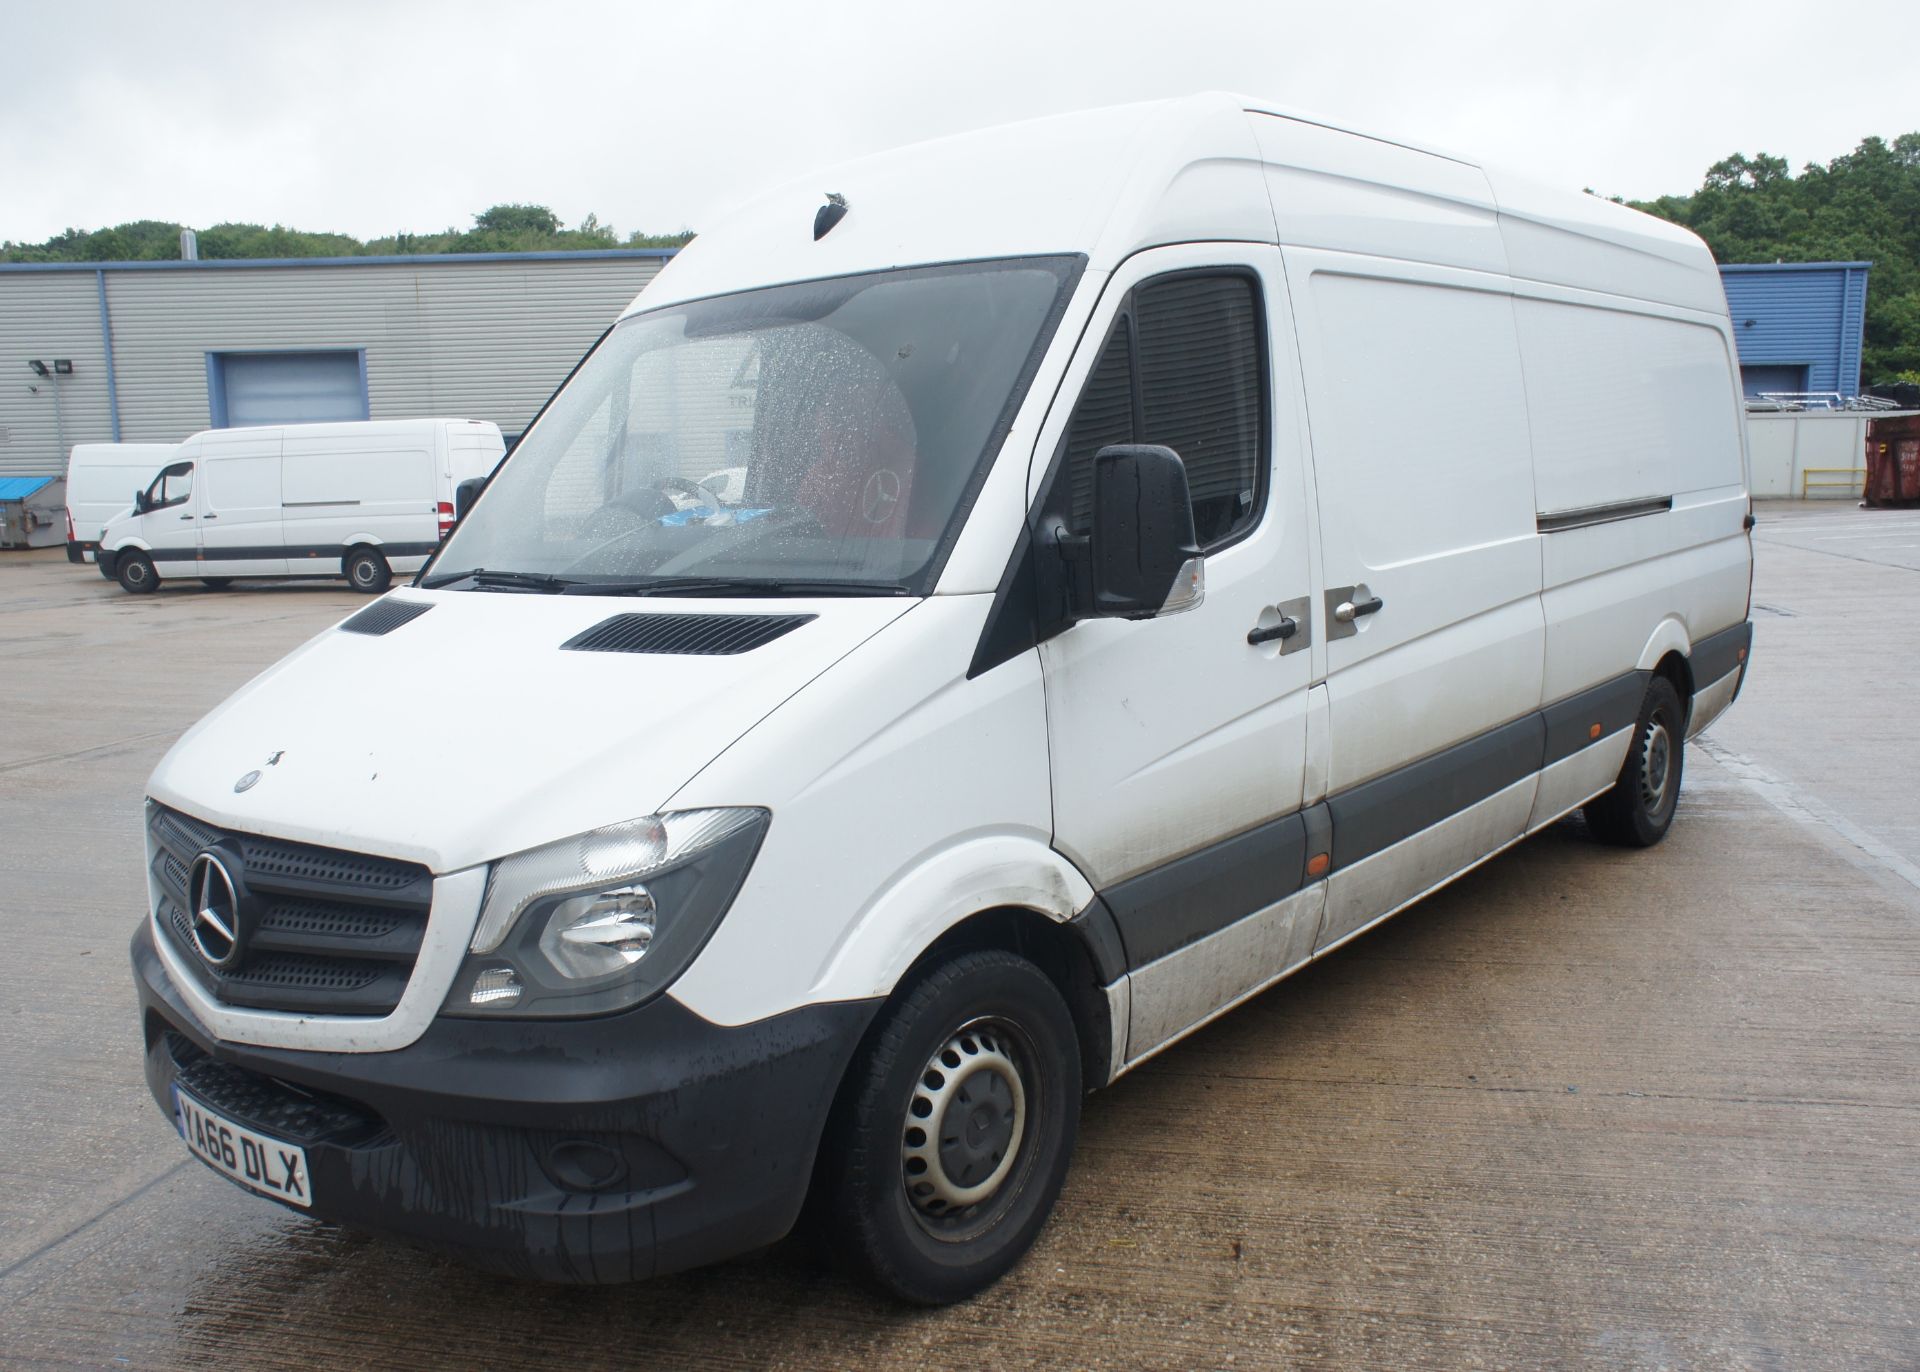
[816, 437]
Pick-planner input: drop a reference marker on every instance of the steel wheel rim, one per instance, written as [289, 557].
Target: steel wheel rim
[969, 1128]
[1656, 767]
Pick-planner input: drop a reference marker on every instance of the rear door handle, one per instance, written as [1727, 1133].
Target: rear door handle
[211, 516]
[1347, 611]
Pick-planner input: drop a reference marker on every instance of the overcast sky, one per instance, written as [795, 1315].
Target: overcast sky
[373, 118]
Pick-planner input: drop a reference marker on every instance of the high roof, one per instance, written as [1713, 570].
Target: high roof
[1109, 182]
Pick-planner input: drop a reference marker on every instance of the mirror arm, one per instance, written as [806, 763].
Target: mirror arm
[1075, 554]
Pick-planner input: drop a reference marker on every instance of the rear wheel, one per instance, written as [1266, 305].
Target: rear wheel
[1639, 809]
[367, 571]
[133, 569]
[952, 1136]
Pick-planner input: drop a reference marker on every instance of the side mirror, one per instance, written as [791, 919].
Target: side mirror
[466, 493]
[1146, 560]
[139, 502]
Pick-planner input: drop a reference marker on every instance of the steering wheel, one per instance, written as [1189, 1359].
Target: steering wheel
[634, 510]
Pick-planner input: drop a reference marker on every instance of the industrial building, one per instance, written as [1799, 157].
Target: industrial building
[155, 351]
[1798, 325]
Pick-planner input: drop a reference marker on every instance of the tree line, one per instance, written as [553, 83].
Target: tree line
[1863, 206]
[503, 228]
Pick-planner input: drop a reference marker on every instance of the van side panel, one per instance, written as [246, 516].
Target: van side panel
[1422, 462]
[1341, 191]
[1641, 481]
[1424, 471]
[378, 490]
[1585, 241]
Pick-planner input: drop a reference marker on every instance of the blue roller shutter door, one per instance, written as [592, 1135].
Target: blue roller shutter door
[289, 388]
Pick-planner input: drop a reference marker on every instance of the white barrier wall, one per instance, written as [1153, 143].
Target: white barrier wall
[1786, 447]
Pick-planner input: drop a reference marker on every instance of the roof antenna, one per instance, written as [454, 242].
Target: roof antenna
[829, 214]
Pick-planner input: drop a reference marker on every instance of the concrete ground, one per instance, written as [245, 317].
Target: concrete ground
[1584, 1108]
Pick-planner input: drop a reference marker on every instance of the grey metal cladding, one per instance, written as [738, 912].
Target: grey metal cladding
[1613, 705]
[1163, 910]
[1717, 654]
[1377, 814]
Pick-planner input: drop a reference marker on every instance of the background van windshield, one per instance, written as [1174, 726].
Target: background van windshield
[828, 432]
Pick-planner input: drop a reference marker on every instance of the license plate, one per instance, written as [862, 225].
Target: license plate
[255, 1161]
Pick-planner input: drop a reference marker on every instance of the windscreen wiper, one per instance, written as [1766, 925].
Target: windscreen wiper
[483, 579]
[732, 586]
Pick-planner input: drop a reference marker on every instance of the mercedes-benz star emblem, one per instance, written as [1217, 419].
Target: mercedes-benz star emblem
[216, 911]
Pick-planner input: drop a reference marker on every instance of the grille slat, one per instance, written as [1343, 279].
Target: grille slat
[272, 1107]
[327, 932]
[695, 635]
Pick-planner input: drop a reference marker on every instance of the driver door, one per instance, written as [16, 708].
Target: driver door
[1178, 744]
[169, 525]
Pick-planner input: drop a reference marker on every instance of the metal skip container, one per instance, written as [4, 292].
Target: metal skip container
[32, 511]
[1893, 461]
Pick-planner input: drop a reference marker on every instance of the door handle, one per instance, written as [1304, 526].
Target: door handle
[1285, 629]
[186, 516]
[211, 516]
[1347, 611]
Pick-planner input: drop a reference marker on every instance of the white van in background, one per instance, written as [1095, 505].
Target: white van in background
[103, 480]
[362, 500]
[955, 639]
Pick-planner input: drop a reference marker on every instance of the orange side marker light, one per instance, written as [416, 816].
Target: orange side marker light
[1594, 732]
[1317, 864]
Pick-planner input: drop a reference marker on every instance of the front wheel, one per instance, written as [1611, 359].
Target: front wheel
[1638, 811]
[133, 569]
[952, 1135]
[367, 572]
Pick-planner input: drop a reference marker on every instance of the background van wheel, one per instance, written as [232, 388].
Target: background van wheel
[951, 1137]
[133, 569]
[216, 583]
[1638, 811]
[367, 571]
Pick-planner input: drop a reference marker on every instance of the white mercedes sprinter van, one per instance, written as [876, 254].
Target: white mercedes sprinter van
[103, 481]
[952, 637]
[361, 499]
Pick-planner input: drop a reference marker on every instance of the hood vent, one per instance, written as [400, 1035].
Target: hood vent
[384, 616]
[699, 635]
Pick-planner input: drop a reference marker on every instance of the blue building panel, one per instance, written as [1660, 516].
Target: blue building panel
[1798, 325]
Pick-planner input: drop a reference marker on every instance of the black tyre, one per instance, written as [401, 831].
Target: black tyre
[133, 569]
[1639, 809]
[367, 571]
[952, 1134]
[216, 583]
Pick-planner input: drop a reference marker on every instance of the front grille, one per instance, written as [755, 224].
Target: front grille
[324, 931]
[266, 1104]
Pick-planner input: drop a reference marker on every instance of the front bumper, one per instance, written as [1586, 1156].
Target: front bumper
[595, 1150]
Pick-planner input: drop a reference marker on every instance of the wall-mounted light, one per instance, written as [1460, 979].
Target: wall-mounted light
[39, 367]
[63, 366]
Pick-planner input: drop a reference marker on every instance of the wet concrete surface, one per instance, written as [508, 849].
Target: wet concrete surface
[1584, 1108]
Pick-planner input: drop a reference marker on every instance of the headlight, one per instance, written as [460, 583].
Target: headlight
[601, 921]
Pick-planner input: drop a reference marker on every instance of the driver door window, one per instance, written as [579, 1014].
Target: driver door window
[1181, 368]
[172, 487]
